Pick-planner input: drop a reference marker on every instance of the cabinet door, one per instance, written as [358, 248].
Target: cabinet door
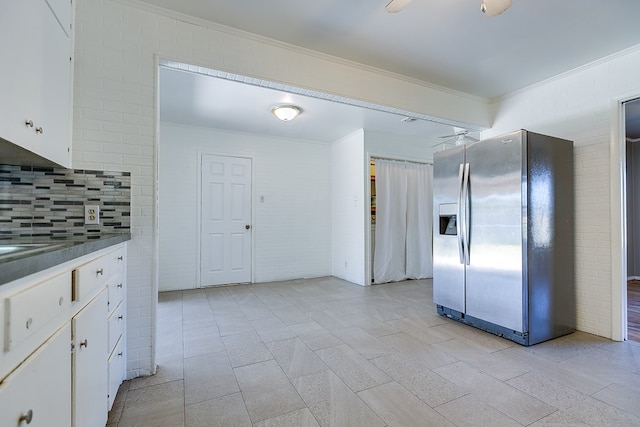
[90, 381]
[36, 85]
[117, 369]
[40, 389]
[55, 87]
[17, 19]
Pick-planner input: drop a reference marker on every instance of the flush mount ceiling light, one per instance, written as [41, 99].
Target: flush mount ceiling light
[490, 8]
[286, 112]
[493, 8]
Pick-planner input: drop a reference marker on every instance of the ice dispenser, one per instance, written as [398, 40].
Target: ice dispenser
[448, 216]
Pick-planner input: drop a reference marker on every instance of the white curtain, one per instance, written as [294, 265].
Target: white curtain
[419, 263]
[403, 247]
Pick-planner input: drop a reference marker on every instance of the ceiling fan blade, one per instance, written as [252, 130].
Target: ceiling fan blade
[493, 8]
[395, 6]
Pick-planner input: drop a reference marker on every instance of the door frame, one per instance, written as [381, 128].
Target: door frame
[368, 157]
[618, 187]
[200, 154]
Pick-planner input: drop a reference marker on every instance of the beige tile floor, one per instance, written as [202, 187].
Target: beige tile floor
[325, 352]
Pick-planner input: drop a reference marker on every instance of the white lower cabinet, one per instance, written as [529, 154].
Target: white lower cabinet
[38, 392]
[63, 332]
[90, 381]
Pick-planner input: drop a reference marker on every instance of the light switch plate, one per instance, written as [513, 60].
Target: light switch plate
[92, 215]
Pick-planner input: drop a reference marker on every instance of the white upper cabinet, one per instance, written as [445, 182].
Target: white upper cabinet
[36, 45]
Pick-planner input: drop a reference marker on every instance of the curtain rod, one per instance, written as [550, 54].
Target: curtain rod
[373, 161]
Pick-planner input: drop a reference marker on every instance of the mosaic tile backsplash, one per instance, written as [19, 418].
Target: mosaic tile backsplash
[41, 201]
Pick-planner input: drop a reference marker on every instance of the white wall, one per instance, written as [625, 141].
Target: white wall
[348, 208]
[413, 148]
[290, 198]
[579, 106]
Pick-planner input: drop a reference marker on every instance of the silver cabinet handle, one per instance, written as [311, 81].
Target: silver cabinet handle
[119, 285]
[120, 258]
[26, 417]
[247, 226]
[121, 317]
[99, 272]
[29, 123]
[39, 130]
[84, 343]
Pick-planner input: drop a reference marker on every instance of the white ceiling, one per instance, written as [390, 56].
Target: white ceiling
[195, 99]
[445, 42]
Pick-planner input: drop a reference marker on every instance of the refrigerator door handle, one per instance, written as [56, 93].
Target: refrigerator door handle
[465, 223]
[459, 219]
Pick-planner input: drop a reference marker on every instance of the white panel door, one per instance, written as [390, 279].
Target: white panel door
[225, 241]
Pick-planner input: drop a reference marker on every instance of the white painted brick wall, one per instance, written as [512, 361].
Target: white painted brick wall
[578, 106]
[292, 226]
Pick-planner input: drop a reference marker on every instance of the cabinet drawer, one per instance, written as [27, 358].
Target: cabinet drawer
[90, 277]
[117, 368]
[40, 386]
[115, 292]
[119, 261]
[35, 308]
[116, 326]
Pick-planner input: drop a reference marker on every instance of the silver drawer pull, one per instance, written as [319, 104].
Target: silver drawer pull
[120, 354]
[84, 343]
[121, 317]
[29, 323]
[99, 272]
[26, 417]
[60, 300]
[120, 285]
[39, 130]
[29, 123]
[120, 258]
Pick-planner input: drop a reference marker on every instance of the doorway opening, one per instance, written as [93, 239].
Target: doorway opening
[632, 146]
[401, 220]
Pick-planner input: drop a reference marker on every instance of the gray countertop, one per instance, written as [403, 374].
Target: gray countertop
[54, 251]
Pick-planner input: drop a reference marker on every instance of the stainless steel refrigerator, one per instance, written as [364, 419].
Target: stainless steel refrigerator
[503, 241]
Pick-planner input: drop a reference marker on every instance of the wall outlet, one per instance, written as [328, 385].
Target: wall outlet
[92, 215]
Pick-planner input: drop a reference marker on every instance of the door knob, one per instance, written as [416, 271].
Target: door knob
[247, 226]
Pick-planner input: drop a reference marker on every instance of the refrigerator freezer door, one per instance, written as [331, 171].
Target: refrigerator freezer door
[448, 270]
[495, 271]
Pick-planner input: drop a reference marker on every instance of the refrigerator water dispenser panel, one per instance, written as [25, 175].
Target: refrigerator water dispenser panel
[448, 217]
